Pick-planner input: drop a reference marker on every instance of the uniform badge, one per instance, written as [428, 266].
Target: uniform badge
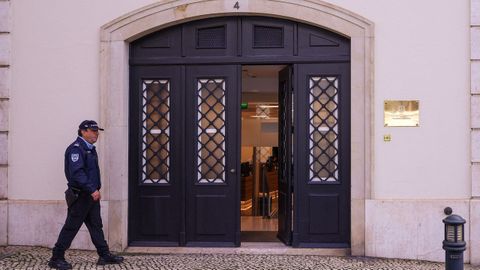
[74, 157]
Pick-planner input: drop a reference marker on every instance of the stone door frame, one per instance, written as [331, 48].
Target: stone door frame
[114, 90]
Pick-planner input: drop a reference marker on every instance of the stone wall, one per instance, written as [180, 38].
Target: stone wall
[410, 229]
[45, 220]
[4, 104]
[475, 129]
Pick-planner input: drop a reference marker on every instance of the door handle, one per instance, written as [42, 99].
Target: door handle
[232, 170]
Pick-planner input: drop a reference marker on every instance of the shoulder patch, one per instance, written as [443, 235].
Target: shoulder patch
[76, 144]
[74, 157]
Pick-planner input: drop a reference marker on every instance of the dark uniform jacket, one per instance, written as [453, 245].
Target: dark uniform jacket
[81, 167]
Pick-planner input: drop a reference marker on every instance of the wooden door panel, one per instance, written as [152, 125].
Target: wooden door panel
[284, 156]
[322, 155]
[155, 153]
[213, 184]
[322, 207]
[207, 208]
[154, 223]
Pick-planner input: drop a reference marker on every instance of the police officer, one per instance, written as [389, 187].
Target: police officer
[83, 198]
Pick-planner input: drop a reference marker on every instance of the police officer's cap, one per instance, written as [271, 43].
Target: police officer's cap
[89, 124]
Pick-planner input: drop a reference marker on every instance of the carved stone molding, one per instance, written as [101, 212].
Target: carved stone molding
[115, 38]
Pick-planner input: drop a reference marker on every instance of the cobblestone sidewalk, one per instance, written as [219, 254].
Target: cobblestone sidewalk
[36, 258]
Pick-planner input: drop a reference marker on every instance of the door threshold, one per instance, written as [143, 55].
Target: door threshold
[266, 248]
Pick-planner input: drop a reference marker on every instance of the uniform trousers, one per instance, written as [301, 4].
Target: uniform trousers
[84, 210]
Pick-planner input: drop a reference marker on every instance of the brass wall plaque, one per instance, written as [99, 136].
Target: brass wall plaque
[401, 113]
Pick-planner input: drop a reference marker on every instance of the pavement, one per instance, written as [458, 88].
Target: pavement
[26, 257]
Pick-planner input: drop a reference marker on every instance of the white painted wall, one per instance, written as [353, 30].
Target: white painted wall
[55, 85]
[260, 132]
[421, 52]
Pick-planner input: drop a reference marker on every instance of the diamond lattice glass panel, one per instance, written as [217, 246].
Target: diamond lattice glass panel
[155, 131]
[323, 129]
[211, 131]
[263, 153]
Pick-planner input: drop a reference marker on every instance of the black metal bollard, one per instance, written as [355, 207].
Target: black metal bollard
[454, 243]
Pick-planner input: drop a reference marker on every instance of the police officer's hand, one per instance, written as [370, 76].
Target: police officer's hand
[96, 195]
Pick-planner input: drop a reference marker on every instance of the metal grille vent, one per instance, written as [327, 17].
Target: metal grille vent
[156, 131]
[211, 38]
[211, 131]
[267, 37]
[323, 129]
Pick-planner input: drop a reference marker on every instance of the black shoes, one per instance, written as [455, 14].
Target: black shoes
[109, 259]
[103, 260]
[59, 264]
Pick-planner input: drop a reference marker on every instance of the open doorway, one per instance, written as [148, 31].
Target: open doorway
[184, 165]
[259, 155]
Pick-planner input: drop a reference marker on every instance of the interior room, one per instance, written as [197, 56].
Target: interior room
[259, 156]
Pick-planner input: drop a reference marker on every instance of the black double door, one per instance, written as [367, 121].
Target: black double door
[185, 155]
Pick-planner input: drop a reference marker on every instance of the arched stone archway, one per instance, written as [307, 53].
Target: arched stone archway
[115, 38]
